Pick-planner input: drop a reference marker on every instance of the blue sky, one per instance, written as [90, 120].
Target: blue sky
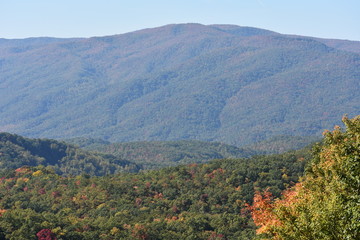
[84, 18]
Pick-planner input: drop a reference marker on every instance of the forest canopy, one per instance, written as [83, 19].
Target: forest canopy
[222, 199]
[195, 201]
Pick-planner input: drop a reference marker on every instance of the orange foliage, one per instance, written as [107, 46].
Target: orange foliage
[139, 232]
[264, 206]
[289, 196]
[171, 219]
[2, 211]
[262, 211]
[158, 196]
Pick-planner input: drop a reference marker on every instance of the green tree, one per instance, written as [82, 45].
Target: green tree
[326, 202]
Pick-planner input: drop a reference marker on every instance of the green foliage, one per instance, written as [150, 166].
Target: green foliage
[196, 201]
[325, 204]
[17, 151]
[154, 155]
[281, 144]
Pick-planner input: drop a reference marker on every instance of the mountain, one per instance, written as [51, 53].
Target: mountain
[17, 151]
[225, 83]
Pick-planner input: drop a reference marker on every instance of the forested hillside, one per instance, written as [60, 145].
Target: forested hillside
[281, 144]
[224, 83]
[221, 199]
[153, 154]
[98, 157]
[17, 151]
[205, 201]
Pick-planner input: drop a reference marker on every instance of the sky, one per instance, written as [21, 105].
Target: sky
[339, 19]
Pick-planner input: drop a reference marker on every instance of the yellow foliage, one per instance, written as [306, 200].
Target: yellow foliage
[37, 173]
[144, 209]
[114, 231]
[101, 206]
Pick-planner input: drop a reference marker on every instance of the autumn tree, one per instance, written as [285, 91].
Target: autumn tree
[326, 202]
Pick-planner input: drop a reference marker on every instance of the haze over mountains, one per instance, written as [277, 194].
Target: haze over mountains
[189, 81]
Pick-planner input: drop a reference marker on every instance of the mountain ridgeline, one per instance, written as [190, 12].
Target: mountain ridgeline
[225, 83]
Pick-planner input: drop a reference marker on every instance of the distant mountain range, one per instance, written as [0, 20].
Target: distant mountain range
[224, 83]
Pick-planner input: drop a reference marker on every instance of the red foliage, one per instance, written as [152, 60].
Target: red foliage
[22, 170]
[215, 236]
[204, 197]
[46, 234]
[175, 209]
[138, 201]
[42, 191]
[56, 194]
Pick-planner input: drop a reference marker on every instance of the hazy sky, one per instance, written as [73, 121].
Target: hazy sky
[84, 18]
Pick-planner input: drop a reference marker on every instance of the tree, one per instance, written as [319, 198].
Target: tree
[326, 202]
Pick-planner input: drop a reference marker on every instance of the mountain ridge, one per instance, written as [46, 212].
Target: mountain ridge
[176, 82]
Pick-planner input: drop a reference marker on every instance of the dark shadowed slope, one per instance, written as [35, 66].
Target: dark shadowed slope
[221, 83]
[17, 151]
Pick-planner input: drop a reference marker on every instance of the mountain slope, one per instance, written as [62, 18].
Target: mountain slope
[346, 45]
[154, 155]
[158, 154]
[220, 82]
[17, 151]
[281, 144]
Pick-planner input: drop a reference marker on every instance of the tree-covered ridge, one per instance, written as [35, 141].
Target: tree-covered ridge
[281, 144]
[325, 203]
[17, 151]
[186, 81]
[154, 154]
[196, 201]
